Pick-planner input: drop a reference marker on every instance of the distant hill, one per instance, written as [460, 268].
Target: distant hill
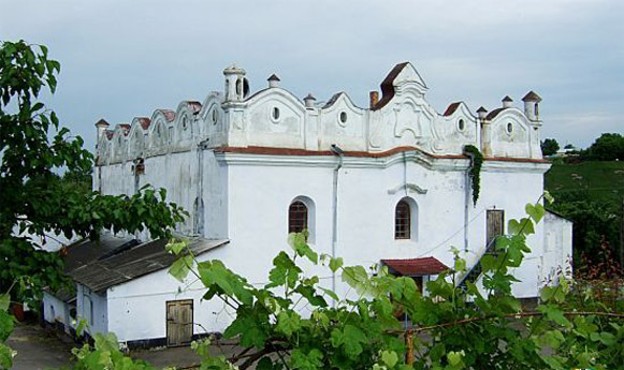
[601, 181]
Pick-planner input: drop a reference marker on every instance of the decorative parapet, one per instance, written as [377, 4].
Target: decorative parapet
[274, 117]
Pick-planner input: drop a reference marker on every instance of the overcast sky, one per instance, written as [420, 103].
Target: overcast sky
[122, 59]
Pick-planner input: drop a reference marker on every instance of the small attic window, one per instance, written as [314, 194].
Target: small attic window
[275, 113]
[461, 124]
[343, 117]
[509, 128]
[215, 116]
[184, 123]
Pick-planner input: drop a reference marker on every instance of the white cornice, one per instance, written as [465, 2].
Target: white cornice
[432, 163]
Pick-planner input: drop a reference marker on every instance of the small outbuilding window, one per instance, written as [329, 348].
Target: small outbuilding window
[402, 220]
[297, 217]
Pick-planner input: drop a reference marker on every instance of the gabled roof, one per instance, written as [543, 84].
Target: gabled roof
[494, 113]
[387, 85]
[415, 266]
[144, 122]
[111, 261]
[451, 108]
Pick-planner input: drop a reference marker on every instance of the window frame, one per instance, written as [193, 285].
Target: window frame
[403, 220]
[300, 216]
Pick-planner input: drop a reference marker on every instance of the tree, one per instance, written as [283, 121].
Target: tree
[549, 146]
[34, 146]
[608, 147]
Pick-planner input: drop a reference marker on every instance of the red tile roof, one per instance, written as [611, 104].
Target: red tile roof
[194, 105]
[144, 122]
[451, 109]
[415, 266]
[387, 87]
[168, 113]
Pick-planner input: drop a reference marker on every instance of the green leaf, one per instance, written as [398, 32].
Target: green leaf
[6, 356]
[5, 301]
[300, 359]
[454, 358]
[536, 212]
[390, 358]
[335, 263]
[353, 340]
[176, 247]
[181, 267]
[288, 323]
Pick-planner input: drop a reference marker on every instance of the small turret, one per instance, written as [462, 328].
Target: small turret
[309, 101]
[273, 80]
[236, 85]
[482, 112]
[101, 126]
[531, 105]
[507, 102]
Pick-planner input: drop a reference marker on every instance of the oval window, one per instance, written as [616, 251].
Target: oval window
[343, 117]
[461, 125]
[275, 114]
[509, 128]
[215, 116]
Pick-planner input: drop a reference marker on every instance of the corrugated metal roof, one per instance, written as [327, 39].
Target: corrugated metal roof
[111, 261]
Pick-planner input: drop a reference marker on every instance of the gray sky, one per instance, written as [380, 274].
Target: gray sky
[122, 59]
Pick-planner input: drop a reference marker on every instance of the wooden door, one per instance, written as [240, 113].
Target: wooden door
[495, 225]
[179, 322]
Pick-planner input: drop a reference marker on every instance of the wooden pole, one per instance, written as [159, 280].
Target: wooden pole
[409, 344]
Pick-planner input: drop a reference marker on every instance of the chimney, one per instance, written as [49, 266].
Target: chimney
[273, 80]
[309, 101]
[507, 102]
[374, 99]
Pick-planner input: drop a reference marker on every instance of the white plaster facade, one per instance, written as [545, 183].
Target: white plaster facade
[238, 160]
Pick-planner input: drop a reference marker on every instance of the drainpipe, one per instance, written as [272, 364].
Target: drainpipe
[201, 146]
[339, 153]
[467, 199]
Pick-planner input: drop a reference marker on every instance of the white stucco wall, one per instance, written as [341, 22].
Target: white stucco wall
[137, 309]
[55, 310]
[92, 308]
[557, 257]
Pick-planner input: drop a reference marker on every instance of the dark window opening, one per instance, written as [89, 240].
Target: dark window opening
[402, 221]
[297, 217]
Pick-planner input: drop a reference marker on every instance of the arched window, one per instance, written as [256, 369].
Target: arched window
[297, 217]
[402, 220]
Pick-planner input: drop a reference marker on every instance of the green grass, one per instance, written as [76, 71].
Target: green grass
[602, 181]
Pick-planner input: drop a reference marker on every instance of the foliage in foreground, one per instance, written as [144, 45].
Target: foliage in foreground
[479, 328]
[34, 146]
